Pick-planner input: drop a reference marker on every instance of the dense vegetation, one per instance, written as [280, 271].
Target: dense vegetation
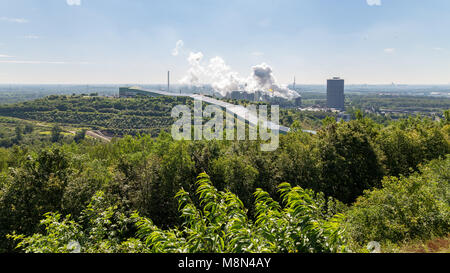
[409, 104]
[405, 208]
[219, 225]
[113, 116]
[120, 196]
[119, 117]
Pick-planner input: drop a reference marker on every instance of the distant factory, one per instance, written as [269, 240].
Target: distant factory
[259, 96]
[335, 93]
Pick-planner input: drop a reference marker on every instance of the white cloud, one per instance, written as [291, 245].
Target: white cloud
[440, 50]
[389, 50]
[42, 62]
[177, 48]
[73, 2]
[373, 2]
[31, 37]
[266, 22]
[14, 20]
[31, 62]
[257, 53]
[5, 56]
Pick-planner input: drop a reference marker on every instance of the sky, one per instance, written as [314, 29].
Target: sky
[138, 41]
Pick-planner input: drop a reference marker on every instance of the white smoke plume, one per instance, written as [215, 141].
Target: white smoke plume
[374, 2]
[177, 48]
[224, 80]
[262, 79]
[196, 70]
[73, 2]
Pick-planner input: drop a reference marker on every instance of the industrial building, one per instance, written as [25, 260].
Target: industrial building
[298, 102]
[260, 96]
[241, 95]
[335, 93]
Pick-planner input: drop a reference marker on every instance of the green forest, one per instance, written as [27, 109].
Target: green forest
[350, 184]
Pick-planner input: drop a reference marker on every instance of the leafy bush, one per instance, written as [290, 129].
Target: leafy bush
[405, 208]
[100, 231]
[348, 160]
[409, 142]
[219, 225]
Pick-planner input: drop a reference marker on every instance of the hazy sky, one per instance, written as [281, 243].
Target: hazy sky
[137, 41]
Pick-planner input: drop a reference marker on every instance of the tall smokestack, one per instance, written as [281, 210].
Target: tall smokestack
[168, 81]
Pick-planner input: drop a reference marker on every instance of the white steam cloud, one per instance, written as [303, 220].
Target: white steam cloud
[374, 2]
[14, 20]
[262, 79]
[73, 2]
[224, 80]
[177, 48]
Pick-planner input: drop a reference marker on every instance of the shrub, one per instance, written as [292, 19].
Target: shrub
[219, 225]
[405, 208]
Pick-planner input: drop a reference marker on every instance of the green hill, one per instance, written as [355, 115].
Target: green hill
[113, 116]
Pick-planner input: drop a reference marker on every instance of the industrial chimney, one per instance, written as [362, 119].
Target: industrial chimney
[168, 81]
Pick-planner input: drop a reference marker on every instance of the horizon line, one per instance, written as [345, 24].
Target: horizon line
[177, 84]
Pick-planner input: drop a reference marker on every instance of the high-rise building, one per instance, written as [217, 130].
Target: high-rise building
[335, 93]
[298, 102]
